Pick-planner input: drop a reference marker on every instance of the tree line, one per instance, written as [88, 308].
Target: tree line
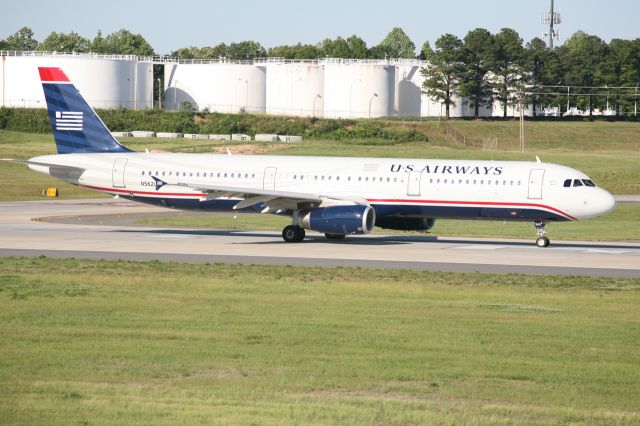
[481, 67]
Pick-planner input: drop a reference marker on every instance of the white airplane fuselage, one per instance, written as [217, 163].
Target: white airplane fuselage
[430, 188]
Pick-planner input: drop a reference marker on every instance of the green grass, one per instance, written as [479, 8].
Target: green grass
[620, 225]
[556, 135]
[95, 342]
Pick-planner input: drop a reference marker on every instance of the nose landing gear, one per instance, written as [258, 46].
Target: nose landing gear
[542, 240]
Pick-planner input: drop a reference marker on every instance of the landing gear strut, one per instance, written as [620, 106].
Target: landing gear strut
[542, 240]
[293, 234]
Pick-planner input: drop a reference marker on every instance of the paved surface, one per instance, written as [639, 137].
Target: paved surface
[104, 228]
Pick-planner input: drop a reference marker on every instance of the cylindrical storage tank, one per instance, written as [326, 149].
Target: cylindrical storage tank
[216, 86]
[295, 89]
[359, 90]
[410, 98]
[104, 82]
[144, 85]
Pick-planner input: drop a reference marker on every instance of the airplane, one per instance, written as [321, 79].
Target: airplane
[337, 196]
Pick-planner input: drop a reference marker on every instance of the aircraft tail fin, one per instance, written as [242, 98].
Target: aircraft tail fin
[76, 127]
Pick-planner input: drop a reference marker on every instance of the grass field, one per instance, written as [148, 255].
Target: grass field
[97, 342]
[623, 224]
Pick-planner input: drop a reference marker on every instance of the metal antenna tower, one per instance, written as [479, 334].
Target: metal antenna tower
[551, 18]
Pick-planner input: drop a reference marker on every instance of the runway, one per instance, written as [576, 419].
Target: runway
[106, 229]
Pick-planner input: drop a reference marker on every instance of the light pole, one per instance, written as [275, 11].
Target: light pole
[635, 103]
[375, 95]
[246, 98]
[159, 97]
[568, 88]
[313, 111]
[351, 97]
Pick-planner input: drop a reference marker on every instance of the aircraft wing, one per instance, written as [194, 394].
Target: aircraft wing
[273, 199]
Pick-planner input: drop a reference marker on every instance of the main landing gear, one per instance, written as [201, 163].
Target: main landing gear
[542, 240]
[293, 234]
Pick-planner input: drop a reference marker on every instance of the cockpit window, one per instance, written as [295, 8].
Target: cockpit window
[588, 182]
[577, 182]
[567, 183]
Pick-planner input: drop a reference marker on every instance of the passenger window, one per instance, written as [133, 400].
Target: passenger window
[567, 183]
[577, 182]
[143, 173]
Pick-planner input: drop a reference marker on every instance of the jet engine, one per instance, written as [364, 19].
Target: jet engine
[340, 220]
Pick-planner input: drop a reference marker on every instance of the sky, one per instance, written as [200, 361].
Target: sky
[169, 25]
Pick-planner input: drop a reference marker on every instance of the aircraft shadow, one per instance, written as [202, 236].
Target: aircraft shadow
[231, 232]
[373, 240]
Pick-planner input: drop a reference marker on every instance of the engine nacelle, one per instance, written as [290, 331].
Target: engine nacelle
[340, 220]
[406, 223]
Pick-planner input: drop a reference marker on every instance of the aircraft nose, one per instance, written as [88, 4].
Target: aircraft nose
[606, 202]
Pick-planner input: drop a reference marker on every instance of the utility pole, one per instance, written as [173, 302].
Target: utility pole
[521, 119]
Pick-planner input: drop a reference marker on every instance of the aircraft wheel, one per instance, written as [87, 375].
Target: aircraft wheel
[335, 236]
[542, 242]
[293, 234]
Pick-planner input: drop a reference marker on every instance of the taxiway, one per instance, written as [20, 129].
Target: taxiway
[107, 229]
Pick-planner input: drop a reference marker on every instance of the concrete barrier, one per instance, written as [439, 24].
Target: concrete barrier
[122, 134]
[168, 135]
[266, 138]
[220, 137]
[290, 138]
[240, 137]
[195, 136]
[142, 134]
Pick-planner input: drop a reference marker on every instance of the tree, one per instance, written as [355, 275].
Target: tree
[122, 42]
[442, 75]
[72, 42]
[357, 47]
[246, 50]
[398, 44]
[583, 57]
[338, 48]
[507, 67]
[478, 56]
[622, 68]
[21, 40]
[299, 51]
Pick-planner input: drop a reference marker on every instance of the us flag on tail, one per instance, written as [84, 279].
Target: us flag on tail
[68, 120]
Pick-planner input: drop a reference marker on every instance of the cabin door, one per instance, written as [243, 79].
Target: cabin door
[536, 177]
[118, 172]
[269, 181]
[413, 188]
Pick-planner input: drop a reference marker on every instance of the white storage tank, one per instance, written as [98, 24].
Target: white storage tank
[105, 81]
[358, 89]
[410, 101]
[295, 89]
[216, 86]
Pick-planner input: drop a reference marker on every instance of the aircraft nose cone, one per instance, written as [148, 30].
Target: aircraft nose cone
[606, 202]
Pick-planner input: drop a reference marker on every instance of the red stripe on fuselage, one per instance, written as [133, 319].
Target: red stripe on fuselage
[470, 203]
[52, 74]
